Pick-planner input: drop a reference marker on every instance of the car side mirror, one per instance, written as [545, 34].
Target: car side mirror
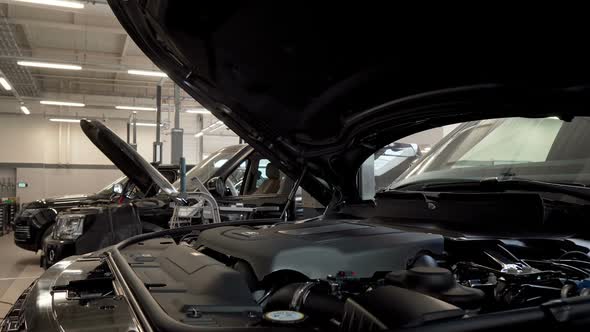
[117, 188]
[216, 185]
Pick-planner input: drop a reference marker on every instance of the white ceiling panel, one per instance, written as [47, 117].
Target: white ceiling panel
[92, 38]
[73, 39]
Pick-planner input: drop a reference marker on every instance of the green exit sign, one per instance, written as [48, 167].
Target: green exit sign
[22, 184]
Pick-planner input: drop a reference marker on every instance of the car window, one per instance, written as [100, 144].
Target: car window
[261, 172]
[513, 141]
[219, 163]
[544, 149]
[208, 167]
[235, 180]
[170, 174]
[389, 162]
[257, 176]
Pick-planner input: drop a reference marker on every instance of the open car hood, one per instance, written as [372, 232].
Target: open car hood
[324, 88]
[134, 166]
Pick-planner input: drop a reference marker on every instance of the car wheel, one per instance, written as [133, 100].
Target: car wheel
[43, 260]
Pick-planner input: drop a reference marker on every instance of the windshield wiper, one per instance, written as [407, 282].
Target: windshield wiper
[496, 185]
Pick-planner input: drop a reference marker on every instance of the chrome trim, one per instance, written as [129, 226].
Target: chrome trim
[142, 321]
[22, 231]
[301, 295]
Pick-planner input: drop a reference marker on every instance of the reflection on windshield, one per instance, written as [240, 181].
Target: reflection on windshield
[391, 160]
[544, 149]
[207, 167]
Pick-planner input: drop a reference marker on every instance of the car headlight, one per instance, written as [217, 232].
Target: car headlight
[68, 226]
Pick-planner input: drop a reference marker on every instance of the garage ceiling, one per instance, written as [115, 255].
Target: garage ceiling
[90, 37]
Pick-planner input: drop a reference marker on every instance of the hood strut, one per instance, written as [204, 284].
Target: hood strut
[293, 193]
[336, 200]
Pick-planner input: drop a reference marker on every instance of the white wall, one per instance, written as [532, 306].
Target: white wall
[37, 140]
[34, 139]
[52, 182]
[214, 143]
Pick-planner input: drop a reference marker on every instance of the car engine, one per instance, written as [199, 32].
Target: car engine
[348, 275]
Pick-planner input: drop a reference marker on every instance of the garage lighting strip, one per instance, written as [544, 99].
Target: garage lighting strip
[61, 103]
[197, 111]
[135, 108]
[216, 125]
[48, 65]
[57, 3]
[64, 120]
[5, 84]
[216, 129]
[146, 73]
[139, 124]
[147, 124]
[8, 87]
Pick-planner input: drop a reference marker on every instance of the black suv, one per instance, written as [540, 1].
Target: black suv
[35, 219]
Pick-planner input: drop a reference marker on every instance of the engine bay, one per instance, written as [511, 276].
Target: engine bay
[349, 275]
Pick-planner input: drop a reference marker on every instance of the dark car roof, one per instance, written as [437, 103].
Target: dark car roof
[323, 88]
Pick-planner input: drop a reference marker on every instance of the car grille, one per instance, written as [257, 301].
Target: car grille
[22, 232]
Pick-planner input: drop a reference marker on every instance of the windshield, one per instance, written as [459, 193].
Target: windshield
[391, 161]
[544, 149]
[207, 168]
[109, 188]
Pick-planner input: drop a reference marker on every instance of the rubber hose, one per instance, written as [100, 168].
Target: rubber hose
[304, 298]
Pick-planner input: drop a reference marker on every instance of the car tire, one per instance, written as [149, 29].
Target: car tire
[43, 259]
[43, 262]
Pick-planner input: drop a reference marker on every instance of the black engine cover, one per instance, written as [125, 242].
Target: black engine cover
[320, 248]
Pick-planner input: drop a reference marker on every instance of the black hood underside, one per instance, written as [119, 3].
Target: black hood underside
[325, 86]
[129, 161]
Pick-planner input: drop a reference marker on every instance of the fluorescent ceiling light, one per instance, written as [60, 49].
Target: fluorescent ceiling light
[5, 84]
[57, 3]
[64, 120]
[48, 65]
[212, 127]
[146, 73]
[214, 124]
[61, 103]
[215, 129]
[198, 111]
[25, 110]
[135, 108]
[146, 124]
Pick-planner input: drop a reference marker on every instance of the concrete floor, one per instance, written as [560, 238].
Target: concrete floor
[18, 268]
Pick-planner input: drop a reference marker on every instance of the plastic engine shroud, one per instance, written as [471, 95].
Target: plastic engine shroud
[321, 248]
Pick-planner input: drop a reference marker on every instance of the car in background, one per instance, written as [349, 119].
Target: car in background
[36, 219]
[239, 176]
[244, 184]
[138, 206]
